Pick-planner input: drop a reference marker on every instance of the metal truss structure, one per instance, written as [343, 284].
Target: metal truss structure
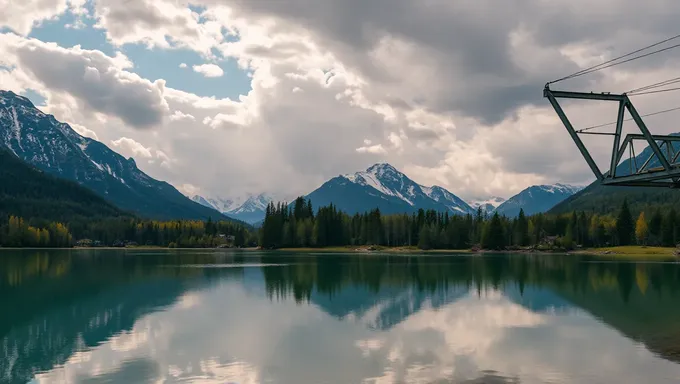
[665, 175]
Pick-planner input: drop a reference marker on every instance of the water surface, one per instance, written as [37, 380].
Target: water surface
[230, 317]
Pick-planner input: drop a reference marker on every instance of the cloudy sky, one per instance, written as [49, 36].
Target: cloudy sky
[226, 97]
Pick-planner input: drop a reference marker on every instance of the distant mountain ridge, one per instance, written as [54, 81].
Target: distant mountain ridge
[251, 209]
[488, 205]
[30, 193]
[602, 199]
[54, 147]
[382, 186]
[537, 199]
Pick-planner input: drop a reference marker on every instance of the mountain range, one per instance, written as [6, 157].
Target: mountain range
[487, 205]
[251, 209]
[382, 186]
[537, 199]
[55, 148]
[602, 199]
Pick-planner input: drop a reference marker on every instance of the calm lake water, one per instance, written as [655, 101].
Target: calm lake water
[228, 317]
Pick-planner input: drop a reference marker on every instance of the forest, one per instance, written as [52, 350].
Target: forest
[298, 225]
[123, 231]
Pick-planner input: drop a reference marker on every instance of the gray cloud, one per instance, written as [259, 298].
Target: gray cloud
[97, 81]
[467, 45]
[459, 82]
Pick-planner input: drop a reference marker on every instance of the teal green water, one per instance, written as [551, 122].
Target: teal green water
[227, 317]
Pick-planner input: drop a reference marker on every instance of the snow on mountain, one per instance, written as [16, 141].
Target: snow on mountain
[249, 208]
[488, 205]
[383, 186]
[54, 147]
[537, 199]
[220, 204]
[451, 201]
[256, 203]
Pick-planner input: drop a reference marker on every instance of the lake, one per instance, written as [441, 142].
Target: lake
[205, 316]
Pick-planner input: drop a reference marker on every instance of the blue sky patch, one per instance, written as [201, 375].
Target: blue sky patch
[150, 63]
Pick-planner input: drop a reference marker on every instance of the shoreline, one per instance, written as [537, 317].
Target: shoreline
[624, 252]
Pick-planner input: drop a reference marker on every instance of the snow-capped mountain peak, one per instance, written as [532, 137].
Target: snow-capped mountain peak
[386, 182]
[537, 198]
[250, 208]
[54, 147]
[487, 204]
[561, 188]
[254, 204]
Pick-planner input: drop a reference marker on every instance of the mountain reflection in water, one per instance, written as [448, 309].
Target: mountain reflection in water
[142, 317]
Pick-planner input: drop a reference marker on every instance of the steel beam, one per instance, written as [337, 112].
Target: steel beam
[647, 135]
[617, 139]
[574, 135]
[660, 184]
[646, 176]
[668, 175]
[584, 95]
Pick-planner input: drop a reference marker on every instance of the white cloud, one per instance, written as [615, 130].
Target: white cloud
[83, 131]
[374, 149]
[98, 82]
[178, 115]
[209, 70]
[183, 65]
[163, 24]
[452, 102]
[22, 16]
[189, 190]
[130, 148]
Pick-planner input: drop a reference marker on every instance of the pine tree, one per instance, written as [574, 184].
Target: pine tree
[493, 236]
[655, 227]
[424, 240]
[625, 228]
[522, 229]
[668, 229]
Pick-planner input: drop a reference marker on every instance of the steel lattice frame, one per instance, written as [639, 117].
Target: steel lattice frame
[668, 175]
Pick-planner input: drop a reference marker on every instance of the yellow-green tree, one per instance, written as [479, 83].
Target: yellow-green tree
[641, 229]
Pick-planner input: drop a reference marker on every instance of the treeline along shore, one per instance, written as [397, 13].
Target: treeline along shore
[299, 225]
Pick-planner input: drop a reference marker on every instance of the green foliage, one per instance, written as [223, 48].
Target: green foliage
[41, 198]
[434, 230]
[494, 236]
[603, 200]
[127, 231]
[625, 227]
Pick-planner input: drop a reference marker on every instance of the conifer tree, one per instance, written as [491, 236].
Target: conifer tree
[625, 228]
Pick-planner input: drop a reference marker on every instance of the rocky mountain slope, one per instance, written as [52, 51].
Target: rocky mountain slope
[383, 186]
[54, 147]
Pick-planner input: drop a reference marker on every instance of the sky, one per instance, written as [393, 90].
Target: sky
[230, 97]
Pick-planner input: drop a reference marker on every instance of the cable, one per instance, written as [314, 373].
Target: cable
[629, 119]
[659, 91]
[629, 60]
[655, 85]
[597, 67]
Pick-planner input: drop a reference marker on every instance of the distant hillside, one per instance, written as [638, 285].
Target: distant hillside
[536, 199]
[30, 193]
[55, 148]
[250, 209]
[608, 199]
[382, 186]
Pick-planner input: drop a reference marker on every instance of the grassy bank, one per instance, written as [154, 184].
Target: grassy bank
[360, 249]
[631, 251]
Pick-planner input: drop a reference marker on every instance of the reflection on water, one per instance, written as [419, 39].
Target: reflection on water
[117, 317]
